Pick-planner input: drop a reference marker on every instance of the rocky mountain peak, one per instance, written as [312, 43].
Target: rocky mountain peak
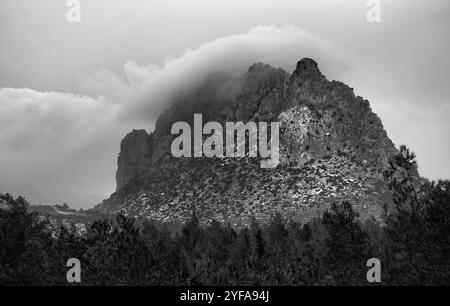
[308, 69]
[332, 146]
[307, 65]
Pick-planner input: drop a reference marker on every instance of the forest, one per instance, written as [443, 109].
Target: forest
[412, 243]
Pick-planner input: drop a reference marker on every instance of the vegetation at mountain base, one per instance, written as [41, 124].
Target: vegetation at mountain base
[412, 243]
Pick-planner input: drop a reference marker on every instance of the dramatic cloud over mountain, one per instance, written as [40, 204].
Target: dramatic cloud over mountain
[73, 140]
[70, 92]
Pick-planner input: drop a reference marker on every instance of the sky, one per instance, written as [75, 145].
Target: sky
[69, 92]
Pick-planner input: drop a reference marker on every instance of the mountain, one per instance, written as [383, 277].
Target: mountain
[332, 148]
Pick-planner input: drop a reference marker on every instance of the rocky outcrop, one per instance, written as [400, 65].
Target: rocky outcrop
[332, 146]
[326, 118]
[134, 157]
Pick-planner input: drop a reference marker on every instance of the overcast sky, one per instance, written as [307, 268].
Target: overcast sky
[69, 92]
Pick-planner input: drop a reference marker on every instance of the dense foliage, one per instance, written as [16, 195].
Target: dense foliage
[412, 243]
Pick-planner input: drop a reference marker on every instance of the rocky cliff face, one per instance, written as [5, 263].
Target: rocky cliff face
[332, 147]
[326, 118]
[134, 157]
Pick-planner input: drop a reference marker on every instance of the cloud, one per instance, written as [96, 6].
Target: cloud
[62, 142]
[56, 142]
[146, 88]
[31, 119]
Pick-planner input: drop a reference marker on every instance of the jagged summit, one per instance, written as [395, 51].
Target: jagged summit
[332, 147]
[258, 68]
[308, 70]
[307, 65]
[261, 69]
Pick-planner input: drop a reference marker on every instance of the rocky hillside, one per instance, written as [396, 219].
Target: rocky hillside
[332, 147]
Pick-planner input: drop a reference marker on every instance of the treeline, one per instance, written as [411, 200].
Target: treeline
[412, 244]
